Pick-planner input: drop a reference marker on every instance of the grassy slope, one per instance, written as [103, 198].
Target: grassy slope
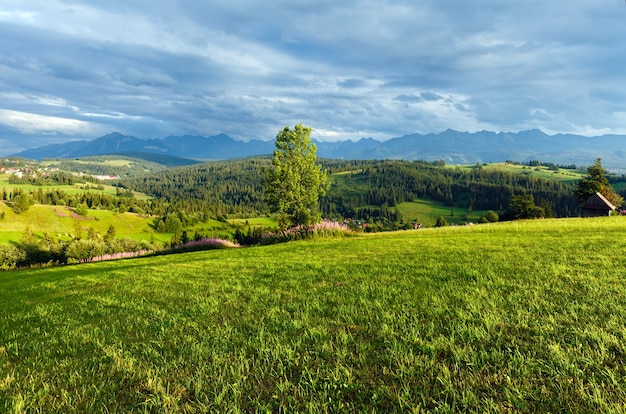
[564, 175]
[78, 188]
[426, 212]
[524, 316]
[59, 221]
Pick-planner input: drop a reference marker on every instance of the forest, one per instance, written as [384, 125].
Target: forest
[359, 188]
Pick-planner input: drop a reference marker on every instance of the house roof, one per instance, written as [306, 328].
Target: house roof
[597, 202]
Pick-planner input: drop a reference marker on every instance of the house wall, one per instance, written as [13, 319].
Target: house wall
[587, 212]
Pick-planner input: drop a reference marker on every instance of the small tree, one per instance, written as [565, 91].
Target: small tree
[295, 182]
[523, 206]
[21, 203]
[441, 222]
[82, 209]
[110, 236]
[10, 256]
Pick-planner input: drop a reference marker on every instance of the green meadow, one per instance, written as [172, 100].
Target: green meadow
[504, 317]
[426, 212]
[60, 221]
[567, 176]
[78, 188]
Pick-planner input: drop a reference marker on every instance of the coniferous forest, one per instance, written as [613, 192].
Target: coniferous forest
[236, 188]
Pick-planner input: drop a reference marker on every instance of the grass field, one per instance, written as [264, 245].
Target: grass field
[78, 188]
[506, 317]
[426, 212]
[254, 222]
[59, 222]
[564, 175]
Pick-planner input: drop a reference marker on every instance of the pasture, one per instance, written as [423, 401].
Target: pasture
[567, 176]
[426, 212]
[77, 188]
[60, 222]
[517, 316]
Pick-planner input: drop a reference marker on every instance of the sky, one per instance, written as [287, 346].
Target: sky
[80, 69]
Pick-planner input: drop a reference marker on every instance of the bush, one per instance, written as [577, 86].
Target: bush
[81, 209]
[21, 203]
[10, 256]
[492, 216]
[323, 229]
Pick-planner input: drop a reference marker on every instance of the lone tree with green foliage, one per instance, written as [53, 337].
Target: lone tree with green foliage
[522, 206]
[596, 181]
[294, 183]
[21, 203]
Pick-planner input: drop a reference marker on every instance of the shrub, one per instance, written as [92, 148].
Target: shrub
[10, 256]
[492, 216]
[21, 203]
[202, 244]
[81, 209]
[323, 229]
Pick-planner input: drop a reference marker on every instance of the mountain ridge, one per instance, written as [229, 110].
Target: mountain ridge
[453, 147]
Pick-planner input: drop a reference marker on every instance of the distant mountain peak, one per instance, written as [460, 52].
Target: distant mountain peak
[449, 145]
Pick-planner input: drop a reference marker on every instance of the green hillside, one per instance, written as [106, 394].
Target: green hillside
[59, 221]
[426, 212]
[129, 164]
[564, 175]
[71, 189]
[517, 316]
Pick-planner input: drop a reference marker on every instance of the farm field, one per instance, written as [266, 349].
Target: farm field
[517, 316]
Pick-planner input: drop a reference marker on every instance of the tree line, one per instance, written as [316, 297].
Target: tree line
[367, 188]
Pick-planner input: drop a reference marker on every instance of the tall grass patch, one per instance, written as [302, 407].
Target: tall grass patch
[522, 316]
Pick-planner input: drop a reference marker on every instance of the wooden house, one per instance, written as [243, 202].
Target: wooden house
[596, 206]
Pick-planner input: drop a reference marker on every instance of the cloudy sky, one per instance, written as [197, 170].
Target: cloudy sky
[79, 69]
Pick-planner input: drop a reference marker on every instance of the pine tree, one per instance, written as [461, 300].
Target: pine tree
[596, 181]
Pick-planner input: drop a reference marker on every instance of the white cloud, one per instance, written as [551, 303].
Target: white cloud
[33, 123]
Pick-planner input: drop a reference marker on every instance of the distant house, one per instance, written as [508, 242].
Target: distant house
[596, 206]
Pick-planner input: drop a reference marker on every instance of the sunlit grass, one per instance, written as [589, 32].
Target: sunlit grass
[427, 212]
[60, 221]
[521, 316]
[566, 176]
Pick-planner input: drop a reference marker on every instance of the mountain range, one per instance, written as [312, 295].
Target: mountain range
[453, 147]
